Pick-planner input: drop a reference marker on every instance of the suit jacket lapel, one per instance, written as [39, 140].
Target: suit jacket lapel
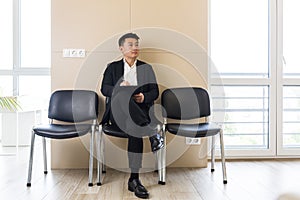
[139, 72]
[120, 70]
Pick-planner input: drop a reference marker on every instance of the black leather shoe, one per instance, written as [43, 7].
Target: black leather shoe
[157, 142]
[138, 189]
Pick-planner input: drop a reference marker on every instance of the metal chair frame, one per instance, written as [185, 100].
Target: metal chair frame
[220, 132]
[93, 125]
[101, 167]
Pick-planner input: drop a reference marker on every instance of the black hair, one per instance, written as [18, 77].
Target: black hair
[127, 35]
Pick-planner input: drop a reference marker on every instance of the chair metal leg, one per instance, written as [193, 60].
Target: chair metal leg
[157, 157]
[212, 154]
[156, 162]
[223, 157]
[103, 153]
[91, 156]
[161, 154]
[45, 155]
[30, 159]
[99, 156]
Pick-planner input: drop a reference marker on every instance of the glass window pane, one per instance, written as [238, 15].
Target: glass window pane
[291, 116]
[6, 37]
[6, 86]
[246, 141]
[34, 92]
[239, 37]
[35, 33]
[245, 115]
[291, 39]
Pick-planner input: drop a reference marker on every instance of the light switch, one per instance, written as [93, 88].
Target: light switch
[66, 53]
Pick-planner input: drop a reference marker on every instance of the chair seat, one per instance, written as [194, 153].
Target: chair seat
[114, 131]
[59, 131]
[193, 130]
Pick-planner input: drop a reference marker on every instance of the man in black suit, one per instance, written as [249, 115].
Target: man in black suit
[131, 89]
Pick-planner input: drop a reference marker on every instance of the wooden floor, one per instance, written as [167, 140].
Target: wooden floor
[253, 180]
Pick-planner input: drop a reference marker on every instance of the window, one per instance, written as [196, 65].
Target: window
[254, 46]
[34, 91]
[289, 78]
[291, 40]
[25, 53]
[25, 44]
[291, 117]
[239, 48]
[246, 115]
[6, 38]
[6, 85]
[239, 37]
[35, 34]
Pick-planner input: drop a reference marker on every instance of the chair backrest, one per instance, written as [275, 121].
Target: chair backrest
[73, 105]
[185, 103]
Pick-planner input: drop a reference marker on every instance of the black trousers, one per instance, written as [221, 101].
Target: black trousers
[133, 119]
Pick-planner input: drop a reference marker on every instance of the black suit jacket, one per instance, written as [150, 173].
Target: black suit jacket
[113, 76]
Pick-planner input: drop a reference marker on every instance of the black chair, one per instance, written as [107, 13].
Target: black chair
[191, 103]
[114, 131]
[77, 107]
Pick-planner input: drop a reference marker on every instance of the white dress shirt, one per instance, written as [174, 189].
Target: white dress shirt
[130, 73]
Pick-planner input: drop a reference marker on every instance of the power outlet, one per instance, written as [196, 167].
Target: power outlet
[81, 53]
[192, 141]
[73, 53]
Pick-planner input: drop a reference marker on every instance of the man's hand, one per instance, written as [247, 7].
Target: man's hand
[139, 98]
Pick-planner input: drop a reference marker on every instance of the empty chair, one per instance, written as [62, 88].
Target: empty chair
[190, 103]
[79, 108]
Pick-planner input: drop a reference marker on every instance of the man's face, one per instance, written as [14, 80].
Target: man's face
[130, 48]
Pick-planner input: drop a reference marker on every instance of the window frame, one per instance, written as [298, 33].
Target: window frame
[16, 70]
[270, 81]
[282, 81]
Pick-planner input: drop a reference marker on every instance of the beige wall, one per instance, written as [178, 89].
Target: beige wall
[173, 39]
